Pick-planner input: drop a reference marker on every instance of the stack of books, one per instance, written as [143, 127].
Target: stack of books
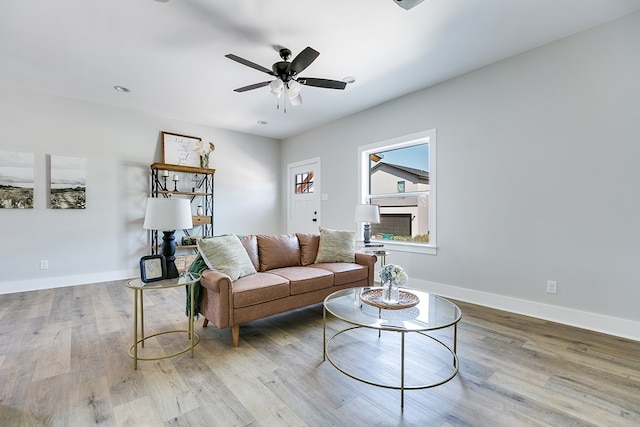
[374, 248]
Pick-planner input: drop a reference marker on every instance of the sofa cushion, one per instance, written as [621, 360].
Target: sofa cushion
[308, 247]
[250, 244]
[336, 246]
[227, 255]
[277, 251]
[259, 288]
[305, 279]
[344, 272]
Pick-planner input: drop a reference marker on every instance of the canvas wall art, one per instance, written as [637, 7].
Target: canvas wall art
[16, 180]
[68, 182]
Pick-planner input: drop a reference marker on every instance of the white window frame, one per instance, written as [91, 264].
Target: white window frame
[364, 151]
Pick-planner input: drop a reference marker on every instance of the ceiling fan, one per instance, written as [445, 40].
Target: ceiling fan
[286, 75]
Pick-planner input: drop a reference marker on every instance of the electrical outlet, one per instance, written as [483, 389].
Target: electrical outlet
[552, 287]
[44, 264]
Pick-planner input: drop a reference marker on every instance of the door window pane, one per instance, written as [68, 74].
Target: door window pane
[304, 183]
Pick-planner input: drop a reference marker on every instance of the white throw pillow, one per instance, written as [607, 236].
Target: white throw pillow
[226, 255]
[336, 246]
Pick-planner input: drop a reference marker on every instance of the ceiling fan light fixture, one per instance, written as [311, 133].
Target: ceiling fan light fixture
[407, 4]
[293, 88]
[276, 87]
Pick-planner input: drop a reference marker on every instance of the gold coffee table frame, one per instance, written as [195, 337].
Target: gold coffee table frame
[139, 287]
[434, 313]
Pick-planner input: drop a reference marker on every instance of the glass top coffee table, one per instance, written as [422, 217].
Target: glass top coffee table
[425, 360]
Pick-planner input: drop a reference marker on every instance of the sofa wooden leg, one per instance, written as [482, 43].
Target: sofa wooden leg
[205, 322]
[236, 335]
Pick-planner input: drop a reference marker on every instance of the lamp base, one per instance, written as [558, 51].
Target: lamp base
[169, 252]
[367, 234]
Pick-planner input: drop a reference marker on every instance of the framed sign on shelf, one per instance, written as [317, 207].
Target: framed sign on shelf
[180, 149]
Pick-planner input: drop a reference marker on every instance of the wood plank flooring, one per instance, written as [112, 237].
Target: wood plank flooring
[64, 362]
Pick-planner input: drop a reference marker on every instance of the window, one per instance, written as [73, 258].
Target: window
[398, 175]
[304, 183]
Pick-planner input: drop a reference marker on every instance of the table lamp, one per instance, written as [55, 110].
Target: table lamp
[168, 215]
[367, 214]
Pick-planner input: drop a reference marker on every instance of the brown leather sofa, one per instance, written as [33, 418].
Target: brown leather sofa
[287, 278]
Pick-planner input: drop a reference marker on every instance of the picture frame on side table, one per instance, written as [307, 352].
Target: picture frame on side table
[180, 149]
[153, 268]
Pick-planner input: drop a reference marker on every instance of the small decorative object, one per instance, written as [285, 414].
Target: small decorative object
[152, 268]
[373, 297]
[199, 210]
[176, 178]
[165, 175]
[392, 276]
[204, 153]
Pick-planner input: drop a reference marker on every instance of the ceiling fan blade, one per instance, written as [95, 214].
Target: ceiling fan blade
[253, 86]
[296, 100]
[325, 83]
[302, 61]
[249, 63]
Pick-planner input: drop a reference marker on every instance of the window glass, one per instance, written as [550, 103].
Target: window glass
[304, 183]
[398, 180]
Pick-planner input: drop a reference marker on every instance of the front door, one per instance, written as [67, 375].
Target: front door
[304, 196]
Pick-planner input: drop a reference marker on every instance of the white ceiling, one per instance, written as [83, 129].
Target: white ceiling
[171, 53]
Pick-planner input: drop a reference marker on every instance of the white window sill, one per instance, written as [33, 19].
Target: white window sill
[415, 248]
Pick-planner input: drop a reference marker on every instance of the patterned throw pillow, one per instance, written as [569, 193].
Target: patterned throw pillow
[336, 246]
[226, 255]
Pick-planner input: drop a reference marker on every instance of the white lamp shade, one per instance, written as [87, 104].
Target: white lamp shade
[167, 214]
[367, 213]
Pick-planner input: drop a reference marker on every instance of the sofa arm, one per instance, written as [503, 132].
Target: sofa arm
[216, 300]
[369, 261]
[215, 281]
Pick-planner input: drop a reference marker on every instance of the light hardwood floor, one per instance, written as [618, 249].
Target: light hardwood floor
[64, 362]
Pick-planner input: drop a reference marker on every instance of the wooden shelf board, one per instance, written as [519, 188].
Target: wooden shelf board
[181, 168]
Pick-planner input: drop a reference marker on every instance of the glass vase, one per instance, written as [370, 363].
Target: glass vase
[204, 161]
[390, 292]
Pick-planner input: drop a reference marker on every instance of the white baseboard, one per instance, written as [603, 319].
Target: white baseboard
[62, 281]
[595, 322]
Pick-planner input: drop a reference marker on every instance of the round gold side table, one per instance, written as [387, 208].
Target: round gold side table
[139, 287]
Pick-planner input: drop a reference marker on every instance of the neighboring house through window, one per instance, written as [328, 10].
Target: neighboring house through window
[398, 175]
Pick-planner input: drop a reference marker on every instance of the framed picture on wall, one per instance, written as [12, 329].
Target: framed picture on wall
[67, 182]
[16, 180]
[180, 149]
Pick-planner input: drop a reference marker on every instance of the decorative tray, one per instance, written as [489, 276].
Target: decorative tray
[374, 297]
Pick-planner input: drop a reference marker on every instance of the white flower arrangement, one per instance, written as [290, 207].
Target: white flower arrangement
[204, 153]
[393, 272]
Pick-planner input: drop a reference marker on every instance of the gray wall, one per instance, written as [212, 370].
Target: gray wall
[538, 178]
[106, 240]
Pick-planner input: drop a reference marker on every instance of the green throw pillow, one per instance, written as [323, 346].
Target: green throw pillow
[226, 255]
[336, 246]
